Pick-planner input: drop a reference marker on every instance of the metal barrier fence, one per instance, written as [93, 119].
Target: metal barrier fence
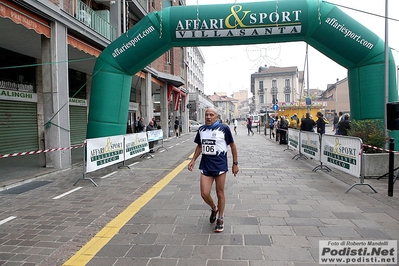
[340, 152]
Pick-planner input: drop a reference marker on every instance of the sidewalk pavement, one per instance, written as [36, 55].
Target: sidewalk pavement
[277, 210]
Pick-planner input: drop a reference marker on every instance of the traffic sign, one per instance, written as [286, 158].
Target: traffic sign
[275, 107]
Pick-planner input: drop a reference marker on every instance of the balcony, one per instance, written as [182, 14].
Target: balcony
[17, 86]
[98, 20]
[287, 89]
[274, 91]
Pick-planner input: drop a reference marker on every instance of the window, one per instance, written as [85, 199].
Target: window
[181, 57]
[77, 84]
[274, 83]
[287, 83]
[167, 57]
[287, 98]
[261, 85]
[261, 98]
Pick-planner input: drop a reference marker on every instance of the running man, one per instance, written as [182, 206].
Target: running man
[212, 140]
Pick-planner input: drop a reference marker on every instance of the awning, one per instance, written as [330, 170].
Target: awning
[24, 17]
[171, 79]
[176, 98]
[82, 46]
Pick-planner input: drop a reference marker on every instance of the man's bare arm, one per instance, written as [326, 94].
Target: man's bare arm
[234, 153]
[198, 151]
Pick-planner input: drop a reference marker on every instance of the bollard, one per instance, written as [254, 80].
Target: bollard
[391, 166]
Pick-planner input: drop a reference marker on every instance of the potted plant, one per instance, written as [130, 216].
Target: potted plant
[371, 132]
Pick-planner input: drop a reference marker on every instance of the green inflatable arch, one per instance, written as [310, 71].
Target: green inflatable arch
[320, 24]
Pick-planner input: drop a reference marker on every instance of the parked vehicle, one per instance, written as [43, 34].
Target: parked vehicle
[194, 125]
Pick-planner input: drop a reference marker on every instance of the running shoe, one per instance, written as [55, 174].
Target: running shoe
[219, 226]
[214, 212]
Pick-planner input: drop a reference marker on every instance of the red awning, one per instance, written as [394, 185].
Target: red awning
[24, 17]
[177, 95]
[82, 46]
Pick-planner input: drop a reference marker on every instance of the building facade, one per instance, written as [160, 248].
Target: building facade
[47, 59]
[225, 106]
[337, 98]
[273, 85]
[241, 96]
[198, 101]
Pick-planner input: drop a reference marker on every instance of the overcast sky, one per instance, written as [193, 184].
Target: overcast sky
[228, 68]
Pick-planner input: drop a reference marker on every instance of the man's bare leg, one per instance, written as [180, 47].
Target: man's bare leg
[220, 181]
[206, 187]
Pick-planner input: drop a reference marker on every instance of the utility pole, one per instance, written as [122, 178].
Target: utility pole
[307, 74]
[386, 69]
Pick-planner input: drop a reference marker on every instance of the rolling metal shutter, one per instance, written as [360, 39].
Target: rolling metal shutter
[18, 127]
[78, 123]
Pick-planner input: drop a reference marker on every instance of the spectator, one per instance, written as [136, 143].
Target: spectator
[335, 121]
[283, 130]
[151, 127]
[345, 125]
[320, 123]
[140, 125]
[307, 123]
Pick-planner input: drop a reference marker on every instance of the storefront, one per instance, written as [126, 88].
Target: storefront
[19, 130]
[77, 120]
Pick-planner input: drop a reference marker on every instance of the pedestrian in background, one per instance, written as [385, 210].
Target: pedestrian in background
[213, 140]
[235, 125]
[249, 126]
[271, 126]
[176, 127]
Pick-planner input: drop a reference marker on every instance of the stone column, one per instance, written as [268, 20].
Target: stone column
[164, 111]
[147, 104]
[56, 97]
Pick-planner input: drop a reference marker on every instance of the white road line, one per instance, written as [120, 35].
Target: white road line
[7, 219]
[171, 147]
[133, 164]
[67, 193]
[177, 144]
[109, 174]
[162, 151]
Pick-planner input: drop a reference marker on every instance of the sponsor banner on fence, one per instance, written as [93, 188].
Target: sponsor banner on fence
[342, 153]
[310, 144]
[154, 135]
[136, 144]
[293, 138]
[364, 252]
[103, 152]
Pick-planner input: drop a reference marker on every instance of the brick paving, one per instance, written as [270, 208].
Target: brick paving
[277, 210]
